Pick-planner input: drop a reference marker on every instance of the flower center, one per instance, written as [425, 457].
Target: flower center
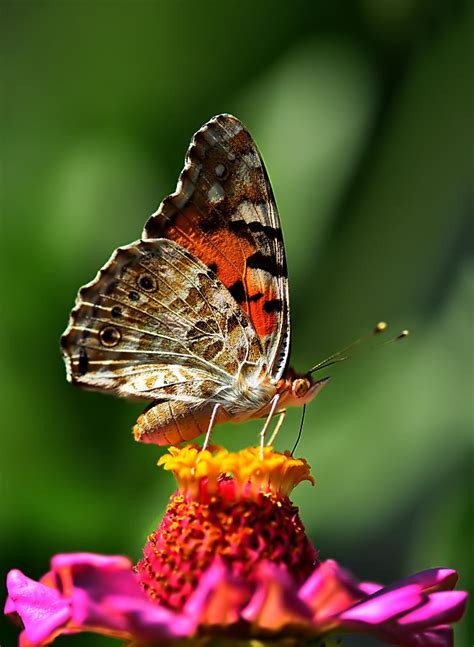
[235, 506]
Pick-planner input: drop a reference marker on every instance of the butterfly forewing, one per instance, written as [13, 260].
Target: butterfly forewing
[157, 323]
[224, 213]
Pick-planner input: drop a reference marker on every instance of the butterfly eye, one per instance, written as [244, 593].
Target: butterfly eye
[300, 387]
[147, 283]
[109, 336]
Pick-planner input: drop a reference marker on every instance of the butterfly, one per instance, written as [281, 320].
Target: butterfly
[195, 315]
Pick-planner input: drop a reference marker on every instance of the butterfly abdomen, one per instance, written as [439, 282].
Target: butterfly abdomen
[172, 422]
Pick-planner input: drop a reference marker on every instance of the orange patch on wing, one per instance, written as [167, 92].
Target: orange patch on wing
[219, 247]
[265, 323]
[228, 253]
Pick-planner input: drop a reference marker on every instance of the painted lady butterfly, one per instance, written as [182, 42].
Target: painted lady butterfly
[195, 316]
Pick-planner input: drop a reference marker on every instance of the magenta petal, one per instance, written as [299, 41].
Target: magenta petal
[42, 609]
[275, 604]
[150, 621]
[9, 605]
[433, 579]
[331, 590]
[369, 588]
[218, 598]
[68, 560]
[443, 607]
[382, 606]
[106, 594]
[90, 581]
[331, 571]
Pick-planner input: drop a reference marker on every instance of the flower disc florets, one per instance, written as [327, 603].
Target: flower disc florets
[232, 505]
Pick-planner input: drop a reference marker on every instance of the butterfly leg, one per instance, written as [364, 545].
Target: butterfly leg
[212, 421]
[274, 404]
[278, 426]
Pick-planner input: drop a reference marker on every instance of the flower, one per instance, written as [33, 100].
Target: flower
[231, 560]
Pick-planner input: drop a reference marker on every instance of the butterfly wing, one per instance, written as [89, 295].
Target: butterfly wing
[224, 212]
[156, 323]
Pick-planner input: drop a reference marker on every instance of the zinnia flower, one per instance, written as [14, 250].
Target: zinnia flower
[231, 562]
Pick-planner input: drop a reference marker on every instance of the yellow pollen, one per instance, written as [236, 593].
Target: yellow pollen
[195, 469]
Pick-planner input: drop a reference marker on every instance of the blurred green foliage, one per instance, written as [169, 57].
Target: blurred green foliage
[363, 112]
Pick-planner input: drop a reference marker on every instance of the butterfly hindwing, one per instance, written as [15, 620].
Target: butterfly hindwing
[157, 323]
[224, 213]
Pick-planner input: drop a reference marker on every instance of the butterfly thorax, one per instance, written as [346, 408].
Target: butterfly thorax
[254, 398]
[249, 394]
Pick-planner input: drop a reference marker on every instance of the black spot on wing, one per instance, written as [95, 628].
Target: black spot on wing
[273, 305]
[83, 363]
[269, 264]
[213, 267]
[256, 297]
[241, 226]
[237, 291]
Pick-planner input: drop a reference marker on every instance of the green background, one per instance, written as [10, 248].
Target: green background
[363, 113]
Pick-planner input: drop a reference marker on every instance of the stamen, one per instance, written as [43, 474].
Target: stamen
[199, 472]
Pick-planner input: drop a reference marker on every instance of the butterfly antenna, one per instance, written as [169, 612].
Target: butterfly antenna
[342, 356]
[300, 431]
[401, 335]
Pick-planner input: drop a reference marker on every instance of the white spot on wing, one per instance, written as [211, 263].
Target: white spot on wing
[249, 211]
[216, 192]
[220, 170]
[251, 160]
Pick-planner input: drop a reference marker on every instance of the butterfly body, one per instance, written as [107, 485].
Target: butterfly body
[195, 315]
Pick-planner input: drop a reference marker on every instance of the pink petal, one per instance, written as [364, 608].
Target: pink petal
[330, 589]
[9, 605]
[219, 597]
[433, 579]
[369, 588]
[275, 604]
[68, 560]
[150, 621]
[68, 565]
[99, 594]
[383, 606]
[42, 609]
[105, 594]
[442, 607]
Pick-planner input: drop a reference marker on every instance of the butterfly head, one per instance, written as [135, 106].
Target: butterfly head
[301, 389]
